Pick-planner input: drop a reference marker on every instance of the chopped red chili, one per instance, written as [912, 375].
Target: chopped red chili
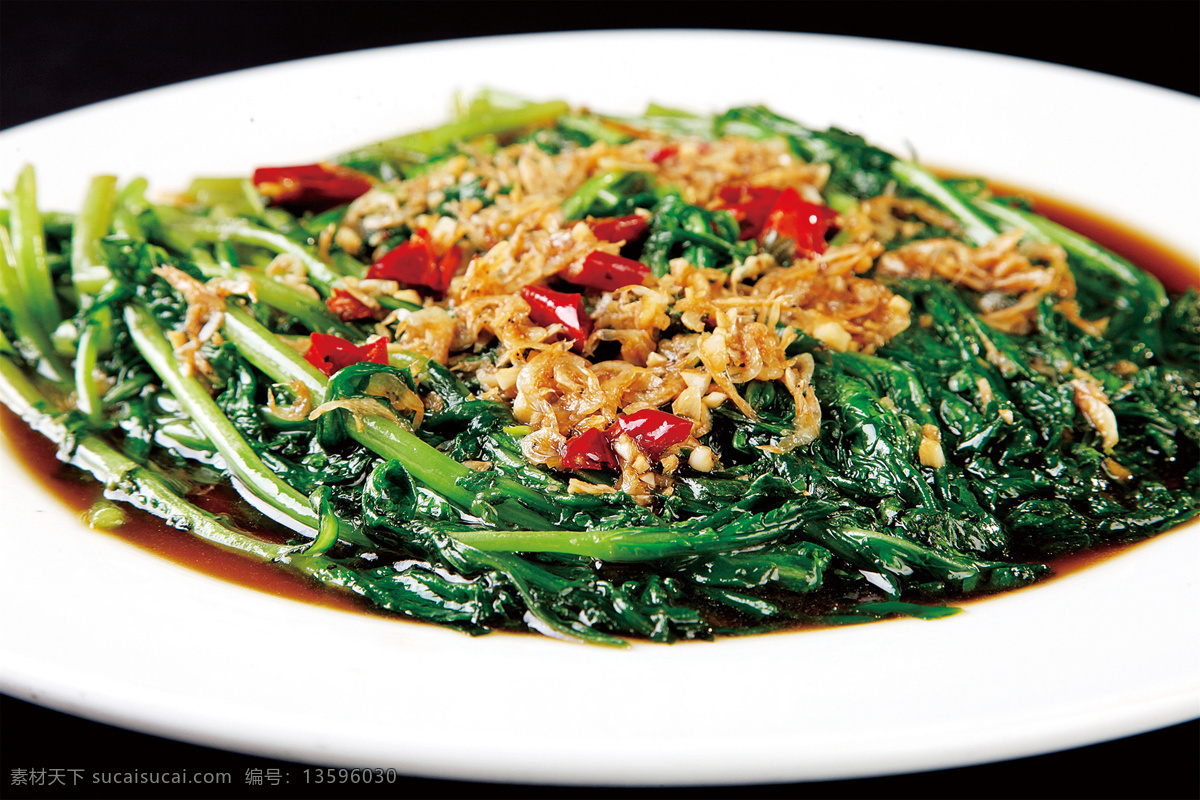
[652, 430]
[606, 272]
[331, 353]
[620, 229]
[448, 264]
[348, 307]
[750, 205]
[661, 154]
[310, 187]
[414, 263]
[548, 307]
[803, 222]
[589, 450]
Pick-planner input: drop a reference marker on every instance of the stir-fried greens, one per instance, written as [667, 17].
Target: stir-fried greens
[663, 377]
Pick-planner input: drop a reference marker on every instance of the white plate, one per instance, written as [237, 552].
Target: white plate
[126, 638]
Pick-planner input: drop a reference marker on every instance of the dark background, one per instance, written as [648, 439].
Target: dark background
[59, 55]
[55, 56]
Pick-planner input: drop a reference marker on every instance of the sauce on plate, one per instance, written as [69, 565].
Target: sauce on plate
[79, 492]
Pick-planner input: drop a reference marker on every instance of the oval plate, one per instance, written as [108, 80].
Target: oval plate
[118, 635]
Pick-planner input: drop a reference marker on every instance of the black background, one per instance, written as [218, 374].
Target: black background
[55, 56]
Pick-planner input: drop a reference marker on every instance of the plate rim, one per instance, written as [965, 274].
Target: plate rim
[7, 676]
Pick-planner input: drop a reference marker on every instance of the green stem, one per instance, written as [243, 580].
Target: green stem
[925, 183]
[328, 530]
[320, 273]
[265, 351]
[88, 272]
[1147, 296]
[34, 341]
[577, 205]
[85, 363]
[195, 401]
[832, 146]
[312, 313]
[621, 545]
[630, 545]
[130, 482]
[122, 477]
[29, 247]
[131, 201]
[436, 140]
[425, 463]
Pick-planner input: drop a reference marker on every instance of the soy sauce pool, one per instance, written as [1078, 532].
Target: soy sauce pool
[79, 492]
[1176, 271]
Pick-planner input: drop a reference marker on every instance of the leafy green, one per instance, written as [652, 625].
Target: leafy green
[405, 485]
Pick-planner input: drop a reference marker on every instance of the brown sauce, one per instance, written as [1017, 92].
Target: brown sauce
[79, 492]
[1176, 270]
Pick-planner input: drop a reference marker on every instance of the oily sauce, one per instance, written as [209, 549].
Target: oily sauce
[1176, 271]
[78, 491]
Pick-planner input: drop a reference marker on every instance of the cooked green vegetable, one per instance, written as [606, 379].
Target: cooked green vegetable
[804, 466]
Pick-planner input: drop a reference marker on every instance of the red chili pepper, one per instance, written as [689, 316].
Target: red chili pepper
[652, 430]
[589, 450]
[663, 153]
[348, 307]
[547, 307]
[310, 187]
[750, 204]
[414, 263]
[331, 353]
[803, 222]
[620, 229]
[448, 263]
[606, 272]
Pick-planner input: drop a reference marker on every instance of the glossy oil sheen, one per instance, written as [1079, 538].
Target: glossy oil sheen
[79, 492]
[1176, 271]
